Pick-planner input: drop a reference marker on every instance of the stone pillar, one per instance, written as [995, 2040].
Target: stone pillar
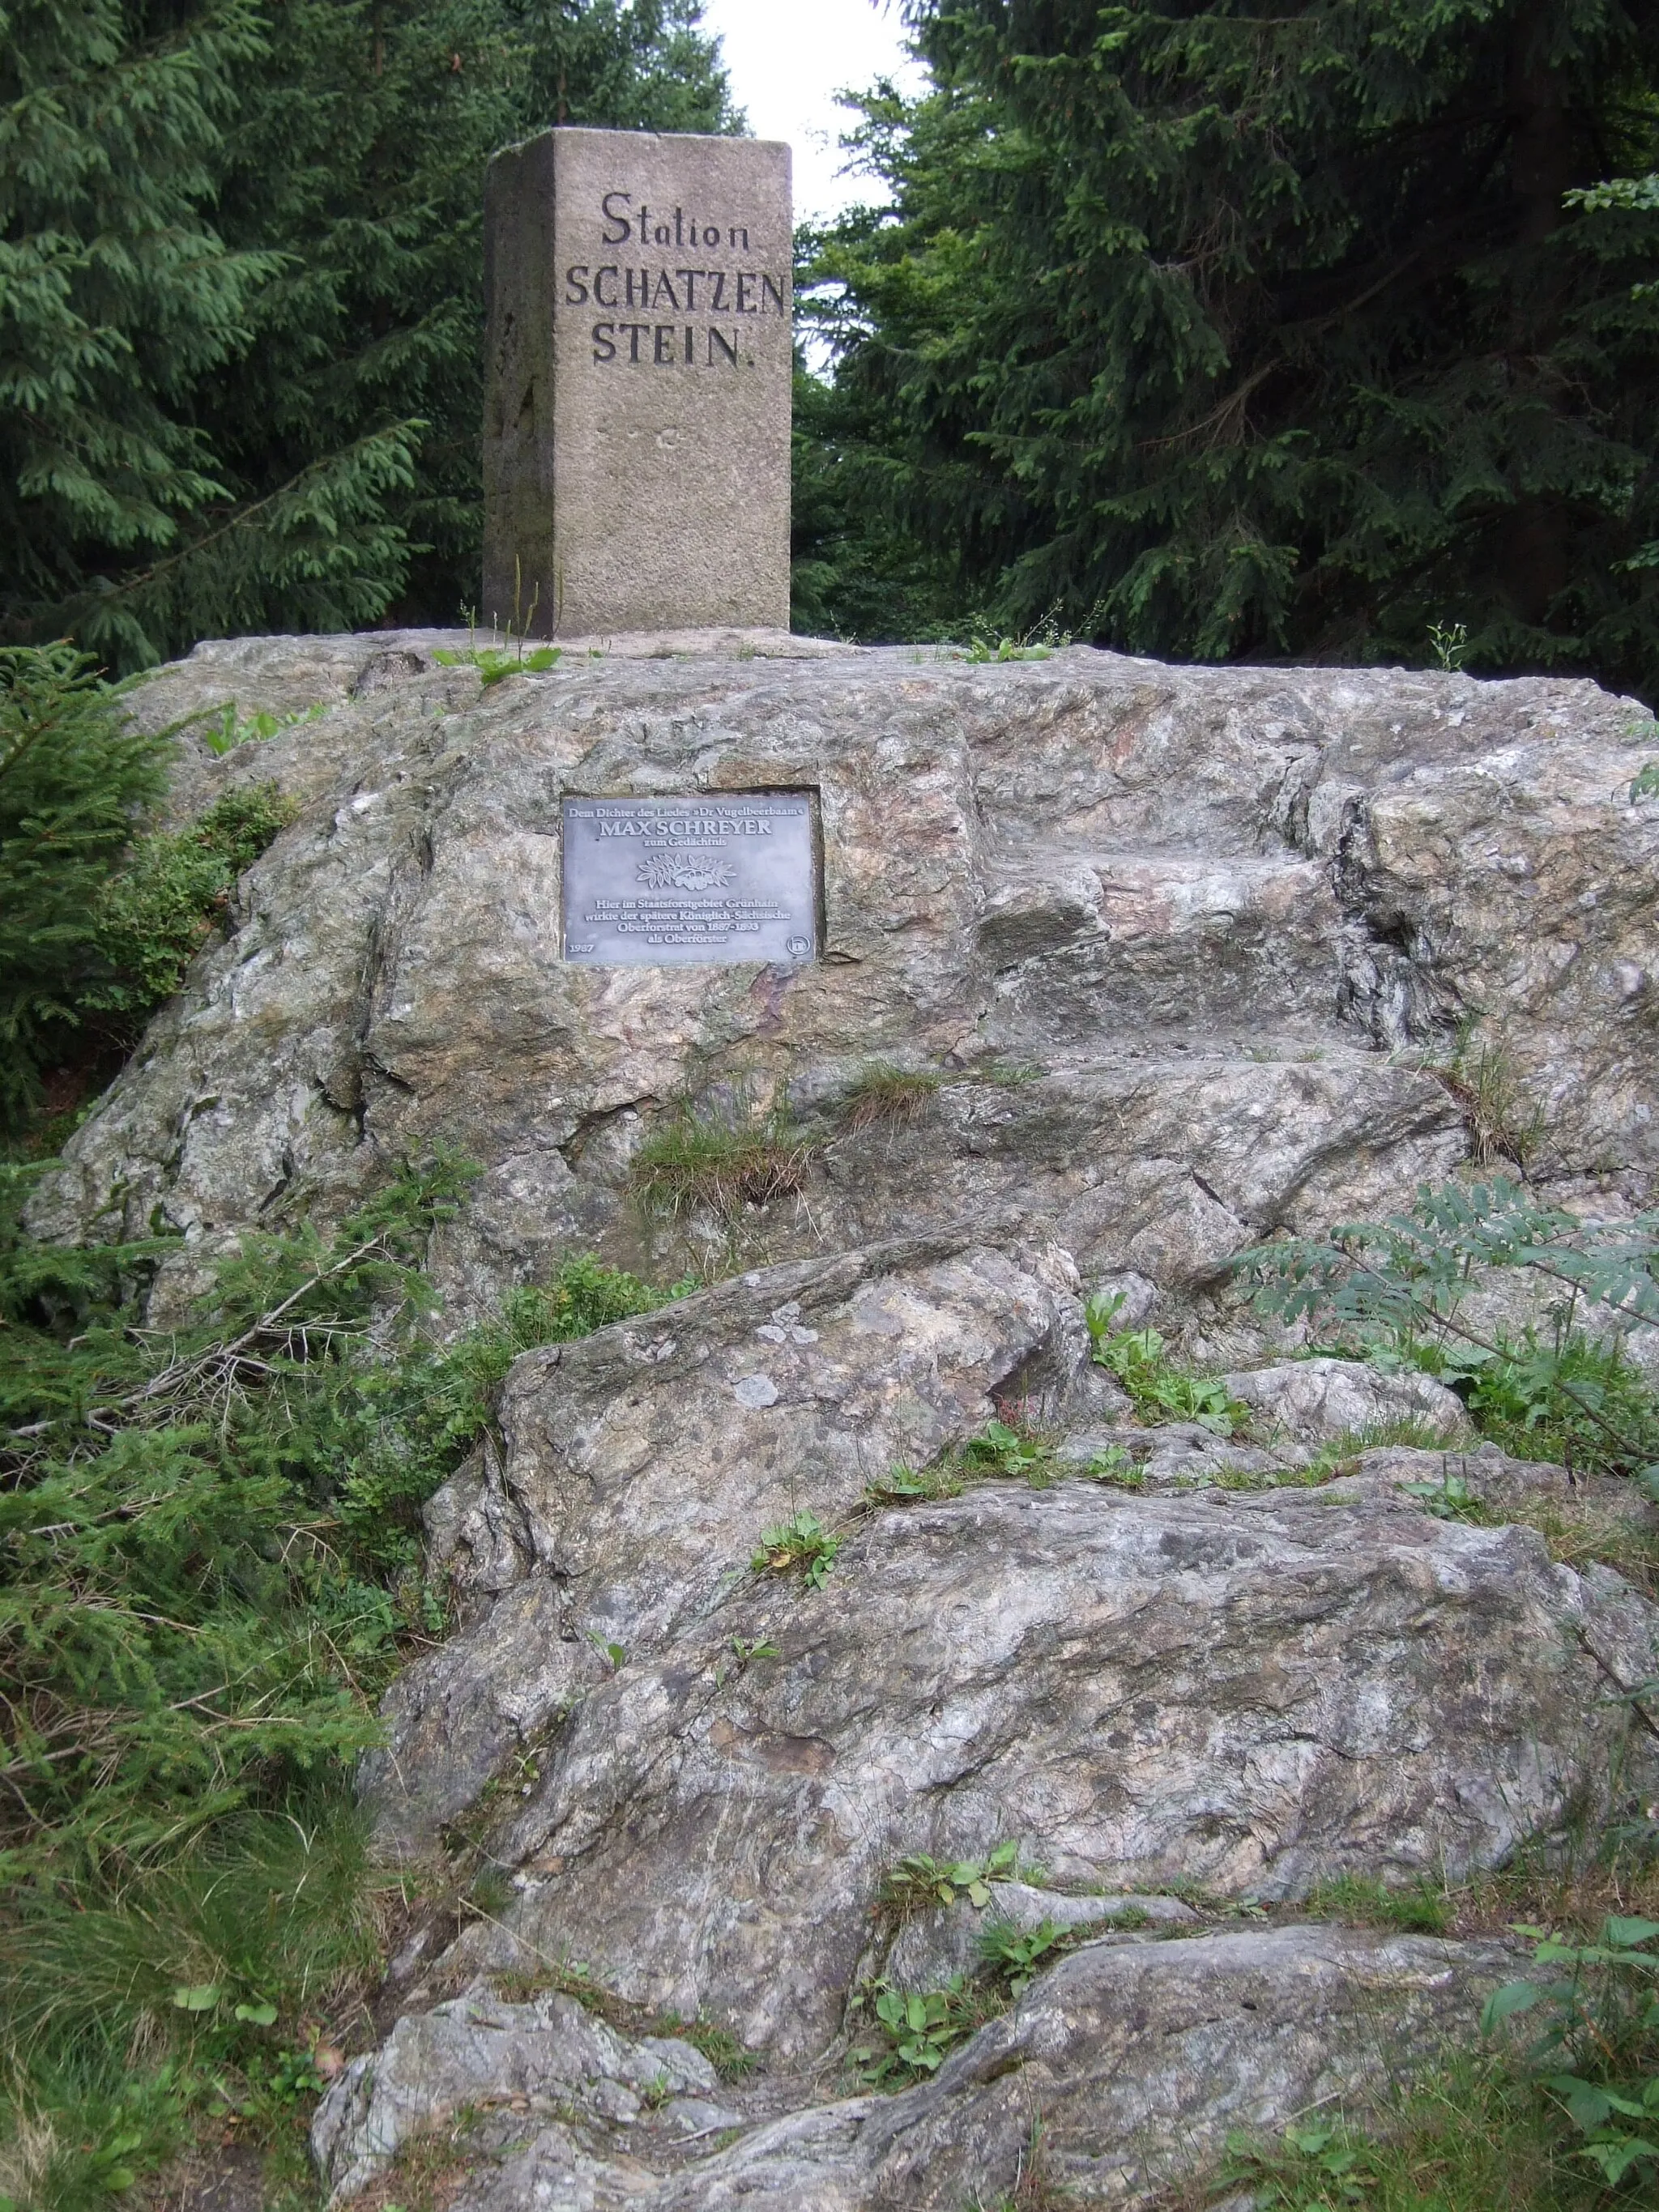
[637, 293]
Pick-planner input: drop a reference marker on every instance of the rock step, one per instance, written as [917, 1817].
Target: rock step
[1251, 1691]
[1105, 941]
[1157, 1158]
[1139, 2062]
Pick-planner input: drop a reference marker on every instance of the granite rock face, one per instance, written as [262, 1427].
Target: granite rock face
[641, 1465]
[1180, 957]
[1252, 1691]
[1225, 912]
[549, 2053]
[1128, 2063]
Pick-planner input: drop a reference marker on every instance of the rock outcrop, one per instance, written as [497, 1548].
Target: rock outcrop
[1120, 2069]
[1225, 912]
[1125, 967]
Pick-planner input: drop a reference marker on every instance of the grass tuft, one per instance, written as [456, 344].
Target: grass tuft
[884, 1092]
[1419, 1908]
[702, 1162]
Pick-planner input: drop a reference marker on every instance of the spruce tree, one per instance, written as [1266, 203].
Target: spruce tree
[242, 256]
[1230, 330]
[119, 295]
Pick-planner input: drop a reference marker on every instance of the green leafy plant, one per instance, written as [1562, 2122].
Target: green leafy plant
[1159, 1388]
[1645, 783]
[1396, 1291]
[913, 2032]
[494, 663]
[1602, 2017]
[918, 1881]
[1001, 1449]
[1004, 648]
[1115, 1467]
[1328, 2167]
[1451, 1498]
[223, 728]
[1014, 1954]
[1449, 643]
[799, 1546]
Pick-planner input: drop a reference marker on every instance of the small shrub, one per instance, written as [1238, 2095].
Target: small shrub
[705, 1163]
[155, 916]
[1159, 1388]
[883, 1092]
[73, 783]
[801, 1546]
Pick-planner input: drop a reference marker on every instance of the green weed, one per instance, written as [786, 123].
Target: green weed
[1001, 1449]
[1599, 2014]
[1502, 1124]
[1159, 1388]
[910, 1486]
[494, 663]
[918, 1882]
[1645, 783]
[1014, 1954]
[1451, 1498]
[1450, 644]
[224, 729]
[732, 2059]
[799, 1546]
[1115, 1467]
[912, 2032]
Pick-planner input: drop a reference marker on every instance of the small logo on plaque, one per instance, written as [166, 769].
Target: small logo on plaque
[719, 877]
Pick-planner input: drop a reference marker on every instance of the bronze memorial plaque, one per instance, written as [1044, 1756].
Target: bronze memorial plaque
[715, 876]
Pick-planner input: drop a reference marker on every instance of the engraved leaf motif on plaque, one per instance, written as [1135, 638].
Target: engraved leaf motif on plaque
[666, 871]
